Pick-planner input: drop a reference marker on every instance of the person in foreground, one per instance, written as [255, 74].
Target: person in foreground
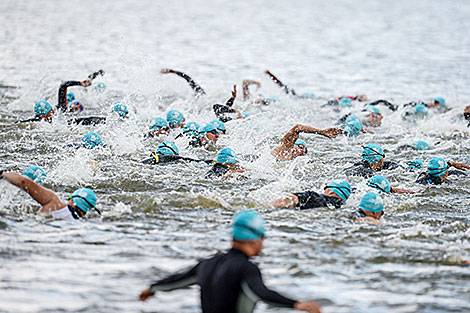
[225, 164]
[80, 202]
[229, 281]
[370, 209]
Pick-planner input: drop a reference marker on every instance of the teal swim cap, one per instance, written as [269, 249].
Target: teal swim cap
[372, 109]
[246, 115]
[84, 199]
[308, 95]
[220, 126]
[421, 109]
[91, 140]
[100, 87]
[422, 145]
[120, 109]
[437, 167]
[167, 148]
[70, 96]
[191, 129]
[42, 108]
[372, 153]
[441, 101]
[157, 123]
[415, 164]
[380, 183]
[353, 125]
[300, 142]
[345, 102]
[341, 188]
[174, 117]
[248, 226]
[227, 155]
[35, 173]
[272, 99]
[371, 202]
[209, 127]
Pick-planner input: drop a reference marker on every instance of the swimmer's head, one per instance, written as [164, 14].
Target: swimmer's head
[191, 129]
[415, 164]
[43, 109]
[420, 109]
[75, 106]
[100, 87]
[341, 188]
[380, 183]
[220, 126]
[70, 96]
[372, 203]
[345, 102]
[353, 125]
[372, 153]
[372, 109]
[167, 148]
[422, 145]
[35, 173]
[245, 115]
[209, 131]
[175, 118]
[227, 156]
[361, 98]
[437, 102]
[308, 95]
[437, 167]
[272, 99]
[248, 225]
[466, 113]
[91, 140]
[301, 147]
[84, 199]
[374, 118]
[158, 126]
[120, 109]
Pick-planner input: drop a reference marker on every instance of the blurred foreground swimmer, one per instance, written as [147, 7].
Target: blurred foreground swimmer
[370, 209]
[230, 282]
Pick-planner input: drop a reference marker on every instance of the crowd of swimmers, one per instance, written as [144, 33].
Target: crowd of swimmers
[242, 285]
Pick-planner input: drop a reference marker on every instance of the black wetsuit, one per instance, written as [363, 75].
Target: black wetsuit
[426, 179]
[389, 105]
[229, 283]
[358, 214]
[312, 199]
[165, 159]
[196, 88]
[34, 119]
[91, 120]
[218, 170]
[221, 110]
[363, 169]
[62, 100]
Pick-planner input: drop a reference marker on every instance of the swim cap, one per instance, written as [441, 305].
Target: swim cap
[220, 126]
[35, 173]
[372, 109]
[70, 96]
[422, 145]
[157, 123]
[84, 199]
[353, 125]
[299, 142]
[308, 95]
[246, 115]
[247, 225]
[380, 183]
[371, 202]
[372, 153]
[190, 129]
[345, 102]
[420, 109]
[227, 155]
[437, 167]
[100, 87]
[174, 117]
[91, 140]
[75, 106]
[206, 128]
[167, 148]
[120, 109]
[272, 99]
[42, 108]
[341, 188]
[415, 164]
[441, 101]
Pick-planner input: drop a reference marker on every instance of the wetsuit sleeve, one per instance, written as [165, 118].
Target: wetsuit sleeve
[177, 281]
[91, 120]
[457, 173]
[388, 165]
[197, 89]
[254, 288]
[310, 200]
[34, 119]
[220, 110]
[62, 101]
[229, 102]
[389, 105]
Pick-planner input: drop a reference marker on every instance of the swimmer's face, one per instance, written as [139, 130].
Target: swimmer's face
[374, 119]
[362, 98]
[299, 150]
[48, 116]
[76, 107]
[258, 246]
[162, 131]
[433, 104]
[213, 135]
[180, 125]
[376, 215]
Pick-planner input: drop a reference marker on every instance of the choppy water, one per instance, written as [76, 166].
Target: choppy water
[160, 219]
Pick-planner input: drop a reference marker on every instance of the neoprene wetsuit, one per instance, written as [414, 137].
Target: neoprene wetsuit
[312, 199]
[220, 110]
[363, 169]
[165, 159]
[62, 100]
[218, 170]
[91, 120]
[196, 88]
[229, 283]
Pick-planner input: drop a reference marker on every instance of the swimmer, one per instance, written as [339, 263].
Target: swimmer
[419, 145]
[382, 184]
[346, 100]
[198, 91]
[175, 119]
[190, 130]
[291, 146]
[81, 202]
[226, 112]
[438, 170]
[226, 163]
[373, 117]
[415, 165]
[118, 109]
[370, 209]
[220, 126]
[287, 90]
[335, 195]
[167, 152]
[207, 136]
[372, 161]
[89, 141]
[466, 114]
[229, 282]
[62, 97]
[158, 127]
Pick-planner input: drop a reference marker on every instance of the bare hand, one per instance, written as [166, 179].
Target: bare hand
[165, 71]
[234, 91]
[307, 306]
[332, 132]
[86, 83]
[146, 294]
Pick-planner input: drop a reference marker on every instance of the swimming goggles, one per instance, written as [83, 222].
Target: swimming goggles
[87, 202]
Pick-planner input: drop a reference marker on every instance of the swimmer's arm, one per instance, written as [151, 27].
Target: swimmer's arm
[401, 190]
[234, 95]
[194, 86]
[279, 83]
[460, 166]
[287, 202]
[62, 101]
[365, 130]
[246, 90]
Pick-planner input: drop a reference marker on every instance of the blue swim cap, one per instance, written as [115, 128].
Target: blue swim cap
[42, 108]
[191, 129]
[91, 140]
[353, 125]
[437, 167]
[227, 155]
[120, 109]
[70, 96]
[308, 95]
[76, 106]
[441, 101]
[167, 148]
[157, 123]
[372, 108]
[421, 109]
[84, 199]
[247, 226]
[206, 128]
[341, 188]
[371, 202]
[345, 102]
[422, 145]
[174, 117]
[299, 142]
[100, 87]
[372, 153]
[219, 125]
[380, 183]
[35, 173]
[415, 164]
[272, 99]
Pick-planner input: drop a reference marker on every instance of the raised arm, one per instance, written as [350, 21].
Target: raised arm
[62, 101]
[232, 98]
[194, 86]
[279, 83]
[292, 135]
[246, 88]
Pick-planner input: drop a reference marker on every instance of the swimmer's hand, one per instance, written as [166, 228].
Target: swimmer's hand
[144, 295]
[307, 306]
[165, 71]
[331, 132]
[460, 166]
[400, 190]
[85, 83]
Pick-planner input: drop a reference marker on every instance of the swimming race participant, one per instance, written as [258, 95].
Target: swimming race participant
[226, 163]
[287, 90]
[62, 98]
[291, 146]
[466, 114]
[346, 100]
[438, 170]
[371, 209]
[226, 112]
[382, 184]
[335, 195]
[175, 119]
[420, 107]
[229, 282]
[207, 135]
[190, 130]
[158, 126]
[35, 173]
[198, 91]
[372, 161]
[419, 145]
[90, 141]
[119, 109]
[220, 126]
[415, 165]
[167, 152]
[80, 202]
